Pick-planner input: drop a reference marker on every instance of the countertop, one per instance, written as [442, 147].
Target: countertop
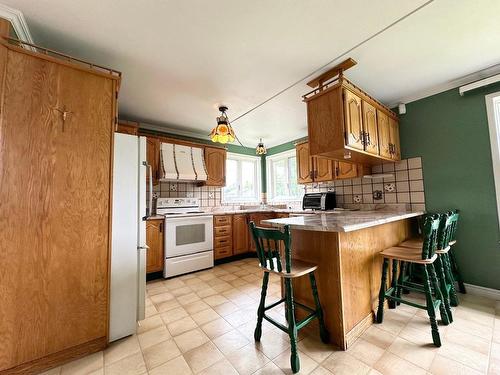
[343, 221]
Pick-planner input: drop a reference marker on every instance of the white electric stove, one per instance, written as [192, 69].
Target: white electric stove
[188, 236]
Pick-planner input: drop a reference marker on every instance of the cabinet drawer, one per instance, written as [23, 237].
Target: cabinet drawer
[223, 252]
[226, 230]
[222, 220]
[222, 242]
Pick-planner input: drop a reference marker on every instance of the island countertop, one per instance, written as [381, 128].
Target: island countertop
[343, 221]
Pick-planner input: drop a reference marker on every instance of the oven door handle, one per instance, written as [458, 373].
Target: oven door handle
[189, 219]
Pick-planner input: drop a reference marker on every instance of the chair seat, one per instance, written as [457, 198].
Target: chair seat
[407, 254]
[453, 242]
[299, 268]
[443, 251]
[416, 243]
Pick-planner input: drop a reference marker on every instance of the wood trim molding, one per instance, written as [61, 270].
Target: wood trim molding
[16, 18]
[57, 359]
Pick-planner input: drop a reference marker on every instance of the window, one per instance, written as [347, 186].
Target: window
[493, 110]
[242, 178]
[282, 177]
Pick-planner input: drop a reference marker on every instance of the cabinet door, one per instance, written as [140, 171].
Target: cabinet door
[215, 161]
[240, 234]
[154, 239]
[384, 134]
[55, 174]
[353, 120]
[304, 164]
[370, 128]
[153, 157]
[345, 170]
[394, 130]
[323, 169]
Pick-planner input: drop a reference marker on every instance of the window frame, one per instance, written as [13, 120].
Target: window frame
[270, 176]
[257, 179]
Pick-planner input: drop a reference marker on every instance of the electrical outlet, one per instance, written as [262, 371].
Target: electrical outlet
[357, 199]
[331, 189]
[173, 187]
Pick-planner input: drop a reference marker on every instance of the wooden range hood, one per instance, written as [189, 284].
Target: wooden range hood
[344, 122]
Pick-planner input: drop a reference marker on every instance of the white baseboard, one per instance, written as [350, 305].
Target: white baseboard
[482, 291]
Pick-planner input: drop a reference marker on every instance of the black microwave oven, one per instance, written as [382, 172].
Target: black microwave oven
[319, 201]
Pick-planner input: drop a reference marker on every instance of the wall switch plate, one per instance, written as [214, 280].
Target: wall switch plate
[331, 189]
[173, 187]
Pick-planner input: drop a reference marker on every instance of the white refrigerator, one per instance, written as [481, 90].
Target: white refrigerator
[128, 246]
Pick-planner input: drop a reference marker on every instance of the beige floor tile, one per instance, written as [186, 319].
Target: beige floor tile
[219, 368]
[206, 292]
[366, 352]
[194, 281]
[473, 328]
[205, 316]
[97, 372]
[131, 365]
[476, 343]
[307, 364]
[270, 369]
[174, 314]
[230, 341]
[247, 359]
[418, 331]
[203, 357]
[464, 355]
[242, 316]
[378, 337]
[222, 287]
[476, 314]
[167, 305]
[191, 339]
[54, 371]
[186, 299]
[390, 364]
[196, 306]
[272, 344]
[420, 355]
[445, 366]
[226, 308]
[342, 363]
[162, 297]
[216, 327]
[120, 349]
[160, 353]
[84, 365]
[320, 370]
[494, 367]
[394, 321]
[149, 323]
[174, 284]
[248, 329]
[175, 366]
[150, 311]
[153, 337]
[181, 326]
[215, 300]
[181, 291]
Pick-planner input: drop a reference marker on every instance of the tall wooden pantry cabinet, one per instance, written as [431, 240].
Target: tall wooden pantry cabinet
[57, 118]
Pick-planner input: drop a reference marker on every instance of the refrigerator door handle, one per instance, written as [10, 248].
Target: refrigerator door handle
[150, 198]
[145, 247]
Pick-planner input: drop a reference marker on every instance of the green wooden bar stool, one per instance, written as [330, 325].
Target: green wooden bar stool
[267, 243]
[443, 263]
[425, 256]
[453, 262]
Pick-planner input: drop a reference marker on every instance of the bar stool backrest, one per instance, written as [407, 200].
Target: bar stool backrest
[445, 228]
[267, 243]
[430, 228]
[454, 220]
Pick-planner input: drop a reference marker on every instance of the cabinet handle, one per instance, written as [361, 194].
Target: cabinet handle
[161, 227]
[337, 171]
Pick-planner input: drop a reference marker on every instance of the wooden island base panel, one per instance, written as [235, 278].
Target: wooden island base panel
[348, 274]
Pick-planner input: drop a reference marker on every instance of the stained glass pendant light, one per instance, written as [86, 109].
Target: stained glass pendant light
[260, 149]
[223, 132]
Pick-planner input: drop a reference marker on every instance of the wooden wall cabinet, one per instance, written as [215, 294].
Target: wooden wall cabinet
[215, 162]
[345, 170]
[155, 259]
[56, 183]
[344, 119]
[127, 127]
[153, 157]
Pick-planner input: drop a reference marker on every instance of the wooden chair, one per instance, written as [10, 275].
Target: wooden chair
[270, 244]
[425, 256]
[451, 255]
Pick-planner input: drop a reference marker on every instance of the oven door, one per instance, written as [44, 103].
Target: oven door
[188, 235]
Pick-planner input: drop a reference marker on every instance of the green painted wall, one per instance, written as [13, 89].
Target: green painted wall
[451, 135]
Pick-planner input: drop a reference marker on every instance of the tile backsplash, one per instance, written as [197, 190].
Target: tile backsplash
[406, 185]
[209, 196]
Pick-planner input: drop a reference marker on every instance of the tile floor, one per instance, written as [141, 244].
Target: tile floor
[203, 323]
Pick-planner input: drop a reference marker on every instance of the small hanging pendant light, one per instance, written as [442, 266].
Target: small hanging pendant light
[223, 132]
[260, 149]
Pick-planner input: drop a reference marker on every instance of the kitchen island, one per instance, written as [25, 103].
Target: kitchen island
[345, 246]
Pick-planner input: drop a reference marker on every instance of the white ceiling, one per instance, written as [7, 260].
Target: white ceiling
[181, 58]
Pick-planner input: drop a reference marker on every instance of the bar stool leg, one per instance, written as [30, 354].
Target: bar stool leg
[430, 304]
[392, 304]
[450, 280]
[292, 326]
[381, 294]
[401, 279]
[323, 333]
[444, 307]
[456, 272]
[260, 312]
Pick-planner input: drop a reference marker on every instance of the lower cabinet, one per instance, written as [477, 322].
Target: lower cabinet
[240, 234]
[223, 236]
[154, 239]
